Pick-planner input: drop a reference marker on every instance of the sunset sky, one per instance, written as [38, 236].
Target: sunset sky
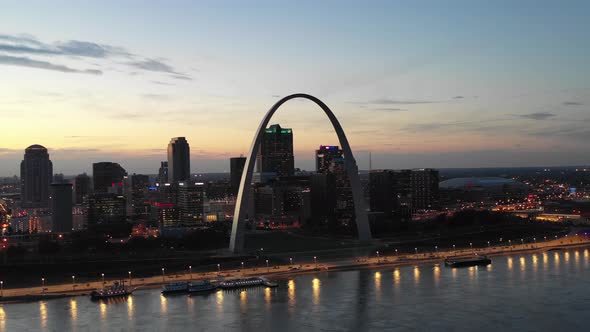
[417, 83]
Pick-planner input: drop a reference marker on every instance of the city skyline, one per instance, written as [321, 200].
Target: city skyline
[468, 85]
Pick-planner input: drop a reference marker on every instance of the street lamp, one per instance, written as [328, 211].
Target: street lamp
[453, 247]
[315, 260]
[377, 256]
[102, 275]
[163, 275]
[470, 245]
[488, 243]
[396, 252]
[416, 250]
[436, 249]
[1, 288]
[129, 272]
[42, 285]
[73, 282]
[291, 261]
[521, 241]
[190, 272]
[242, 265]
[218, 269]
[267, 267]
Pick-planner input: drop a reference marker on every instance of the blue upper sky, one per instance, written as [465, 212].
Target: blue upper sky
[417, 83]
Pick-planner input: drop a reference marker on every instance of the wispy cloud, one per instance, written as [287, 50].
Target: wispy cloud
[389, 109]
[537, 116]
[27, 62]
[162, 83]
[572, 103]
[26, 46]
[386, 101]
[152, 65]
[155, 96]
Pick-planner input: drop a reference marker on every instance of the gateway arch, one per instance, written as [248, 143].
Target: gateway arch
[238, 231]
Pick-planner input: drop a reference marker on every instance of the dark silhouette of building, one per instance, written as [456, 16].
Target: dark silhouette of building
[398, 193]
[330, 160]
[390, 193]
[236, 168]
[61, 207]
[191, 199]
[425, 195]
[164, 208]
[106, 175]
[82, 188]
[58, 178]
[179, 164]
[140, 205]
[327, 157]
[323, 200]
[283, 202]
[276, 152]
[36, 172]
[106, 208]
[162, 173]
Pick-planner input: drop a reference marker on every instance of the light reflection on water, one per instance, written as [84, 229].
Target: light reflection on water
[2, 318]
[43, 313]
[291, 294]
[396, 278]
[74, 309]
[436, 274]
[316, 290]
[417, 299]
[416, 274]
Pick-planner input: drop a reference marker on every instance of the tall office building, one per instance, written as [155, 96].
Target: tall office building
[390, 192]
[106, 208]
[140, 206]
[179, 163]
[191, 199]
[276, 152]
[82, 188]
[401, 192]
[424, 184]
[61, 207]
[330, 160]
[162, 172]
[106, 175]
[327, 157]
[36, 172]
[236, 168]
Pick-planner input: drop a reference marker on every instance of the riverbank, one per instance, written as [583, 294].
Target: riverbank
[46, 292]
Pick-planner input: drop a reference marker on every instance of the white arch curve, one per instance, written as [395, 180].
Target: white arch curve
[238, 227]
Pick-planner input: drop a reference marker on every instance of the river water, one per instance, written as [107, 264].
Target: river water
[533, 292]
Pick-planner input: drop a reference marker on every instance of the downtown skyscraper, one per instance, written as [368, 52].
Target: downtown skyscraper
[106, 175]
[276, 151]
[36, 173]
[179, 162]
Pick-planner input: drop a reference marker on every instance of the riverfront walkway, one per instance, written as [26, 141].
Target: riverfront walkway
[287, 270]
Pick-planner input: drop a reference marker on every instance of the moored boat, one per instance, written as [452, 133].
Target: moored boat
[175, 287]
[116, 290]
[467, 261]
[246, 282]
[202, 286]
